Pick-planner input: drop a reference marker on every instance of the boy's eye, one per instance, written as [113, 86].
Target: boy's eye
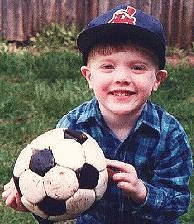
[139, 67]
[108, 66]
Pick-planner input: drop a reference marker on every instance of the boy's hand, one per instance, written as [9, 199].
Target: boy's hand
[126, 177]
[12, 198]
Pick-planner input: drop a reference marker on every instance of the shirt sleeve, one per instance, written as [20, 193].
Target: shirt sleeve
[168, 194]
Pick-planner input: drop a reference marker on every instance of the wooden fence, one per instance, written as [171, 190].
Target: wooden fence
[21, 19]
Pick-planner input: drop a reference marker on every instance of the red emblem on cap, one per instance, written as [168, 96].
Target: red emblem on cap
[124, 16]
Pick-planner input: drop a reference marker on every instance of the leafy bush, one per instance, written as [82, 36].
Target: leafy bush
[56, 36]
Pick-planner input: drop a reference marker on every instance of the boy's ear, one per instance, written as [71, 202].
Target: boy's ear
[161, 76]
[85, 70]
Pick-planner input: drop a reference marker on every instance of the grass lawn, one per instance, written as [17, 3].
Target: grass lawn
[37, 90]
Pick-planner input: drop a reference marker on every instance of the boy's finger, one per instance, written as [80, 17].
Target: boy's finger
[8, 185]
[111, 172]
[11, 200]
[125, 186]
[121, 166]
[6, 193]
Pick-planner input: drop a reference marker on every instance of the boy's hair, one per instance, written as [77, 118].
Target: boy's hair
[120, 25]
[109, 48]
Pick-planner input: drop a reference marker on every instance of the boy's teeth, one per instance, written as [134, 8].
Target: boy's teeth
[120, 94]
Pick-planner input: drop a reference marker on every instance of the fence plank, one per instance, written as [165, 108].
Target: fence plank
[156, 8]
[80, 7]
[145, 5]
[165, 16]
[4, 18]
[68, 8]
[187, 32]
[94, 9]
[175, 26]
[103, 6]
[117, 2]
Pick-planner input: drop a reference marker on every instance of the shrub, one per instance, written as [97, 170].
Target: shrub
[56, 37]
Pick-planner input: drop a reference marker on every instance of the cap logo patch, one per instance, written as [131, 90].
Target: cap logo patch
[124, 16]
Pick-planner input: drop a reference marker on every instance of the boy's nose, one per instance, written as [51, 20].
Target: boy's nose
[122, 77]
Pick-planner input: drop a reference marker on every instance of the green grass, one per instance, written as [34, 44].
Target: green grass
[37, 90]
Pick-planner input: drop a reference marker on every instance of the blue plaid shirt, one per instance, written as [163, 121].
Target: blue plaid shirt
[158, 149]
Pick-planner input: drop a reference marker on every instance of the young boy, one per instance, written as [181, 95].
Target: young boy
[148, 154]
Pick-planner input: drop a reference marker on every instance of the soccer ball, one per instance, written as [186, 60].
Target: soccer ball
[60, 174]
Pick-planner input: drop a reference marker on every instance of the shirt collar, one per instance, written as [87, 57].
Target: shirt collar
[149, 116]
[91, 111]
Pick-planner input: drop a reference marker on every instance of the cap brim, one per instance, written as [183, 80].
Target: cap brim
[120, 33]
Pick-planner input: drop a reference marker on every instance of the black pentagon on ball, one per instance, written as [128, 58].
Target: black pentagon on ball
[42, 161]
[87, 176]
[52, 207]
[79, 136]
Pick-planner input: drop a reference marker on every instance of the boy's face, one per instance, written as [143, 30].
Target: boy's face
[122, 81]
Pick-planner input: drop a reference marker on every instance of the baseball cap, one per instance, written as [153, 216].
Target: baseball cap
[121, 24]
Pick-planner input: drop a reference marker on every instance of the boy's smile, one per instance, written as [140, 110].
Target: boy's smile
[122, 81]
